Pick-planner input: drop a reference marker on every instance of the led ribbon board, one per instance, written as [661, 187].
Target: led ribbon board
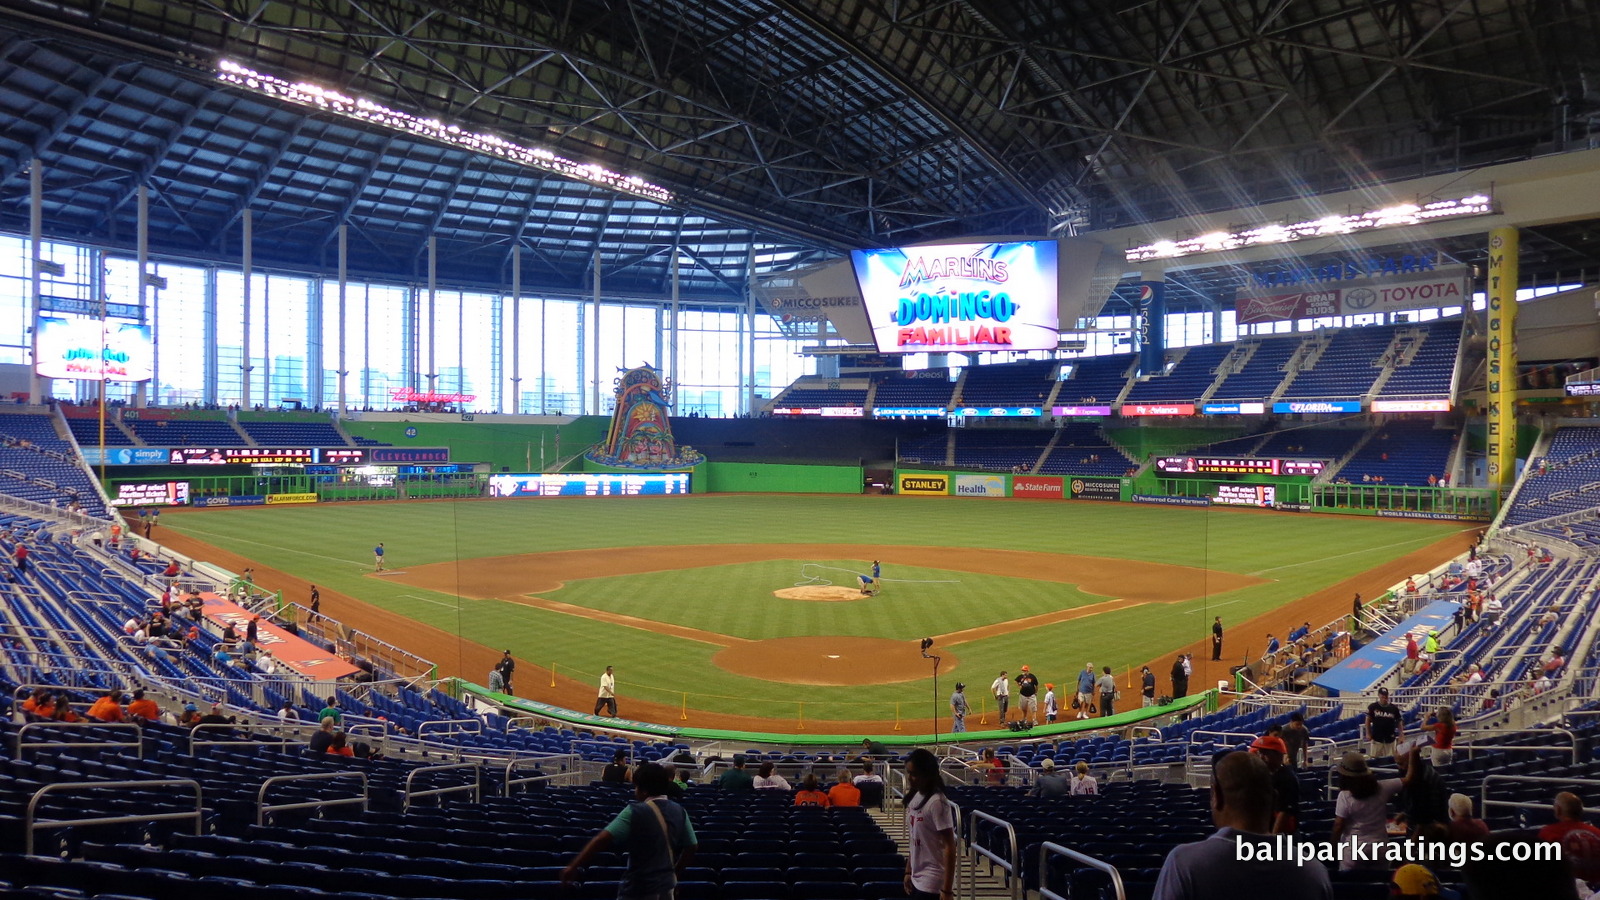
[966, 297]
[328, 100]
[1326, 226]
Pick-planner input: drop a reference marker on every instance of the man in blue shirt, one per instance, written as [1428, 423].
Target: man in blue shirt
[1229, 864]
[1085, 698]
[655, 832]
[377, 552]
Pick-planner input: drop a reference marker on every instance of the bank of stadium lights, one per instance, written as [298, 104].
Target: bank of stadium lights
[1278, 233]
[328, 100]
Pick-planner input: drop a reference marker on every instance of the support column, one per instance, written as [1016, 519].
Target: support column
[516, 329]
[672, 344]
[1152, 322]
[344, 274]
[749, 347]
[1502, 386]
[141, 393]
[433, 318]
[36, 251]
[594, 340]
[244, 363]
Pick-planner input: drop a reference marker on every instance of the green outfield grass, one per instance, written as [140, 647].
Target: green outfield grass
[331, 545]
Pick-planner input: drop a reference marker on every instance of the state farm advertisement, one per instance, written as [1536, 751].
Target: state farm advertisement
[1048, 487]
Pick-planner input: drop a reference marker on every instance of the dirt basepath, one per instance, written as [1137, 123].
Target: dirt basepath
[1249, 638]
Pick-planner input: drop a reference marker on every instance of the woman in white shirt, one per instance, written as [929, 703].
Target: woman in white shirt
[770, 780]
[931, 866]
[1361, 811]
[1083, 784]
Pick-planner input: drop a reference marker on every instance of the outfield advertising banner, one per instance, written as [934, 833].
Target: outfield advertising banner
[409, 454]
[1080, 411]
[1415, 514]
[604, 485]
[1404, 406]
[126, 456]
[1232, 409]
[1048, 487]
[155, 493]
[281, 499]
[972, 297]
[245, 500]
[1157, 409]
[1317, 406]
[1013, 412]
[1162, 500]
[1097, 489]
[980, 486]
[1262, 495]
[924, 484]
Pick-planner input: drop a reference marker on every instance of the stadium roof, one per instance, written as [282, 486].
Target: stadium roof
[802, 127]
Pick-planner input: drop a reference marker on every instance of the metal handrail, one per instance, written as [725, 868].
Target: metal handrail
[1011, 865]
[31, 823]
[261, 796]
[476, 787]
[966, 863]
[477, 726]
[137, 743]
[1049, 849]
[1524, 731]
[1133, 738]
[568, 770]
[1483, 791]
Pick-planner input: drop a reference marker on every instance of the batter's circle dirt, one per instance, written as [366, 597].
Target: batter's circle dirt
[820, 593]
[829, 661]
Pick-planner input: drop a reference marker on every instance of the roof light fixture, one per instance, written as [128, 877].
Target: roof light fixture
[329, 100]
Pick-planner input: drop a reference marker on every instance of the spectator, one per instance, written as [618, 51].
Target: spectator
[323, 737]
[656, 833]
[993, 767]
[1297, 738]
[737, 778]
[768, 779]
[845, 793]
[1384, 726]
[1413, 881]
[108, 708]
[1580, 841]
[1084, 784]
[215, 717]
[190, 717]
[1444, 735]
[931, 865]
[332, 711]
[810, 794]
[142, 709]
[1050, 783]
[288, 714]
[1361, 811]
[616, 771]
[337, 746]
[1212, 869]
[1463, 827]
[1285, 788]
[874, 749]
[1422, 793]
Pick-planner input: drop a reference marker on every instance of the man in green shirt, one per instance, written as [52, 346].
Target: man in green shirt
[737, 778]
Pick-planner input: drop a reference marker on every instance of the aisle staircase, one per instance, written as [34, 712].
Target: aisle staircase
[975, 877]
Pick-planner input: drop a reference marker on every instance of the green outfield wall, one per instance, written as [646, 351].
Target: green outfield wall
[719, 477]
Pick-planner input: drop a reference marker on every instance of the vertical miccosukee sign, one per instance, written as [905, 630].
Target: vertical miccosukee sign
[1502, 386]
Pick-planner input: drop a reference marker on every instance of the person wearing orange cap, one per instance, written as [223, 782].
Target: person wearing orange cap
[1285, 788]
[1051, 710]
[1027, 697]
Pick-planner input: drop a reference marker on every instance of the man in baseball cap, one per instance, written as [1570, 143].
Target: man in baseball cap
[1286, 790]
[1413, 881]
[1027, 691]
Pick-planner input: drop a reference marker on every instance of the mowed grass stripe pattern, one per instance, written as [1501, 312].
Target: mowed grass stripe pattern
[332, 545]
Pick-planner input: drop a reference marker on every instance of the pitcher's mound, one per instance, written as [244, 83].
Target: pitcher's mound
[831, 661]
[822, 593]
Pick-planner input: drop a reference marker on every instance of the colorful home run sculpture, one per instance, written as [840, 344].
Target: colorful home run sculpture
[640, 435]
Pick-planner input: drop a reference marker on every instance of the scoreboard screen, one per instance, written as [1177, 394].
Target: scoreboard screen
[1263, 495]
[237, 456]
[618, 485]
[1237, 465]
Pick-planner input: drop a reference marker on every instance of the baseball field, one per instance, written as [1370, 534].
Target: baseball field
[740, 610]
